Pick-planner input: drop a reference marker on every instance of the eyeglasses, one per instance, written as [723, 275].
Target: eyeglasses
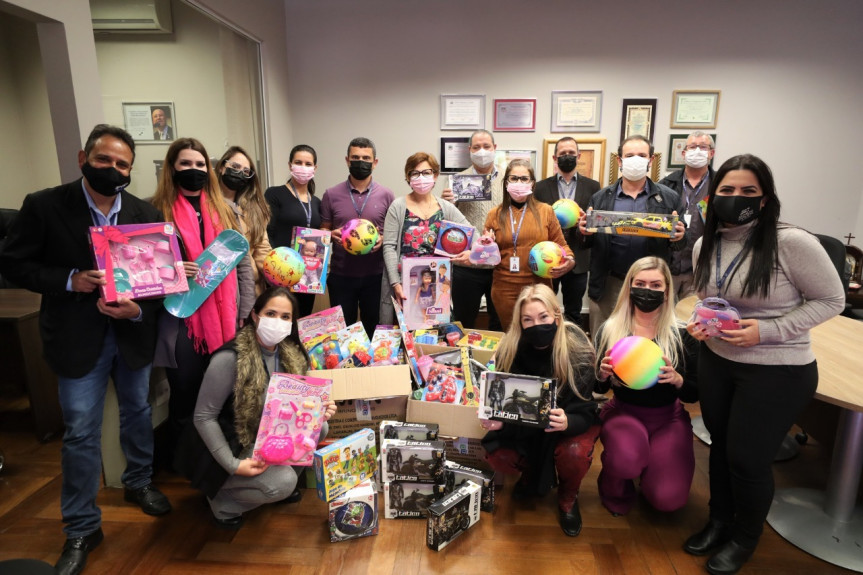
[242, 171]
[416, 174]
[517, 179]
[702, 147]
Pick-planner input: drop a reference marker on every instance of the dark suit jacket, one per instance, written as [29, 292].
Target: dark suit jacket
[157, 135]
[48, 239]
[546, 191]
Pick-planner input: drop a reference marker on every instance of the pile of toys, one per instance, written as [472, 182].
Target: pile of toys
[412, 470]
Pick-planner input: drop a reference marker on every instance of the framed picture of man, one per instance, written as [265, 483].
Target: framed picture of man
[150, 122]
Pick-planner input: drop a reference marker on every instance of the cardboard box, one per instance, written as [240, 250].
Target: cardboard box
[354, 514]
[453, 515]
[420, 461]
[481, 355]
[355, 414]
[408, 499]
[345, 464]
[466, 451]
[452, 420]
[457, 474]
[368, 382]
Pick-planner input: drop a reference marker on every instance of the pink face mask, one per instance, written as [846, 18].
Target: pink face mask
[519, 191]
[422, 184]
[302, 174]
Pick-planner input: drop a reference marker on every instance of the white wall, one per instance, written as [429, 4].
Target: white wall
[790, 74]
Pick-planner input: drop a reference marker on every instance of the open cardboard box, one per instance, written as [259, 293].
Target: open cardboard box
[481, 355]
[453, 420]
[368, 382]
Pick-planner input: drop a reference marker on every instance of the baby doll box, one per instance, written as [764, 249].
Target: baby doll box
[631, 224]
[140, 261]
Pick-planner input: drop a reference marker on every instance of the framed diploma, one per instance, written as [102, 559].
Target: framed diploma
[454, 154]
[150, 122]
[576, 111]
[517, 115]
[694, 108]
[462, 111]
[614, 168]
[638, 118]
[591, 158]
[676, 144]
[502, 158]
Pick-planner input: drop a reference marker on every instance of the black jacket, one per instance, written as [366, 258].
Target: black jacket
[660, 200]
[546, 191]
[48, 239]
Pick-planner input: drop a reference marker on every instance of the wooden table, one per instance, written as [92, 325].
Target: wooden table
[21, 352]
[826, 523]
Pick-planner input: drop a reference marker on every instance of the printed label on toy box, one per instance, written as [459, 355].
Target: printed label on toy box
[519, 399]
[427, 284]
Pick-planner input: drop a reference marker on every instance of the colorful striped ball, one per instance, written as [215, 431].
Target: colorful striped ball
[359, 237]
[636, 361]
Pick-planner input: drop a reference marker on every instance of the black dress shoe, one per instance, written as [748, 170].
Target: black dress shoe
[232, 523]
[74, 556]
[729, 559]
[570, 521]
[149, 499]
[714, 535]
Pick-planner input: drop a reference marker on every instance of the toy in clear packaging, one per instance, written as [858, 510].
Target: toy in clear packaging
[523, 400]
[425, 284]
[283, 267]
[409, 431]
[139, 260]
[409, 344]
[345, 463]
[443, 383]
[404, 460]
[315, 247]
[324, 352]
[385, 345]
[452, 515]
[631, 223]
[353, 339]
[453, 238]
[291, 422]
[484, 252]
[479, 340]
[327, 321]
[354, 514]
[715, 314]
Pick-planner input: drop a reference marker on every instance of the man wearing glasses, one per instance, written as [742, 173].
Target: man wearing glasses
[692, 183]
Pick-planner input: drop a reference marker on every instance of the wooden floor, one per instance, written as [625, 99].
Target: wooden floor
[517, 538]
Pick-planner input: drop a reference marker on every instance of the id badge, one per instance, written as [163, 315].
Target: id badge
[687, 218]
[514, 265]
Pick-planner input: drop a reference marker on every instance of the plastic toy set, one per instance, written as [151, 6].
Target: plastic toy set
[354, 344]
[449, 377]
[716, 314]
[479, 340]
[314, 247]
[453, 238]
[385, 345]
[470, 187]
[631, 223]
[345, 463]
[519, 399]
[453, 515]
[354, 514]
[457, 475]
[418, 461]
[485, 252]
[292, 418]
[324, 322]
[139, 260]
[409, 431]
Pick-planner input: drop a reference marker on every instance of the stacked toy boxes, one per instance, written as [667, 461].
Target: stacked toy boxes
[343, 471]
[412, 471]
[458, 475]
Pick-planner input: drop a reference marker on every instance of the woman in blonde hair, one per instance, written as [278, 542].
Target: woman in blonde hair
[646, 433]
[188, 196]
[540, 342]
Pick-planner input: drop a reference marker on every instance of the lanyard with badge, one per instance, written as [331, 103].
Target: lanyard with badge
[720, 281]
[307, 212]
[687, 217]
[514, 263]
[360, 209]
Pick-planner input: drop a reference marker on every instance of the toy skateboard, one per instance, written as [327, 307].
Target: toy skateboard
[214, 265]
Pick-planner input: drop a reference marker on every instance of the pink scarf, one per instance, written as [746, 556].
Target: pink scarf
[215, 322]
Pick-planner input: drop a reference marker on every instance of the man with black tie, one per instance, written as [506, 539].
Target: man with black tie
[86, 340]
[568, 183]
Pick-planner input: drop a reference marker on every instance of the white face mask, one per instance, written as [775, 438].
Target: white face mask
[482, 158]
[695, 158]
[422, 184]
[635, 168]
[272, 330]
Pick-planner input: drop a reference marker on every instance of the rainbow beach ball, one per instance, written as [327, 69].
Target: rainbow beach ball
[359, 237]
[283, 267]
[635, 361]
[544, 256]
[567, 212]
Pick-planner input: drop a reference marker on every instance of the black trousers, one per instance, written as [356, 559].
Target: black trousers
[306, 303]
[185, 383]
[352, 293]
[748, 410]
[468, 287]
[574, 286]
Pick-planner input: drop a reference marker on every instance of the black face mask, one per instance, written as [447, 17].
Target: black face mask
[540, 335]
[233, 181]
[105, 181]
[647, 300]
[360, 169]
[191, 180]
[736, 209]
[566, 164]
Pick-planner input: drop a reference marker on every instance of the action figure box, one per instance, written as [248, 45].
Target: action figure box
[345, 463]
[418, 461]
[139, 260]
[354, 514]
[315, 247]
[453, 238]
[471, 187]
[410, 499]
[291, 422]
[631, 223]
[452, 515]
[409, 431]
[426, 283]
[457, 475]
[327, 321]
[518, 399]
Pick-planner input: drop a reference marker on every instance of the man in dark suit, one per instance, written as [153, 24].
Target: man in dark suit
[161, 129]
[567, 183]
[86, 340]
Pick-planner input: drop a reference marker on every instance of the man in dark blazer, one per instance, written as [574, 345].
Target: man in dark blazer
[161, 129]
[567, 183]
[86, 340]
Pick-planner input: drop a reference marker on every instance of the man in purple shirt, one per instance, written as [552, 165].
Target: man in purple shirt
[355, 281]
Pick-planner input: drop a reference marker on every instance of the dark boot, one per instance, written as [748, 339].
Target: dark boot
[729, 559]
[570, 521]
[714, 535]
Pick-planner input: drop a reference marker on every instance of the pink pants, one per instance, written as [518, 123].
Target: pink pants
[653, 443]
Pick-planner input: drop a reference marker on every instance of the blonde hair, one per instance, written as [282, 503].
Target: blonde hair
[619, 324]
[167, 191]
[572, 354]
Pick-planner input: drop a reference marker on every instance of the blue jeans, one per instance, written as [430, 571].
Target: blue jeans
[83, 400]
